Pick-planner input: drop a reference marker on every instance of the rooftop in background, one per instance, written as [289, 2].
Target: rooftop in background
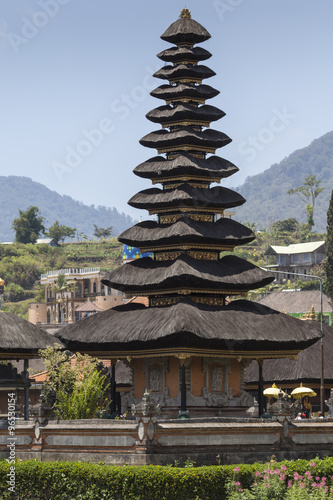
[294, 248]
[46, 241]
[291, 301]
[305, 369]
[71, 272]
[40, 241]
[88, 306]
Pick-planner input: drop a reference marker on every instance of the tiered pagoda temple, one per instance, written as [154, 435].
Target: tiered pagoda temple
[189, 348]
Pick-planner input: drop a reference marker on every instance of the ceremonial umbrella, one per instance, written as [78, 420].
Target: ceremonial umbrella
[272, 392]
[301, 392]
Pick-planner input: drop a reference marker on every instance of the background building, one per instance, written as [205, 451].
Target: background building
[81, 285]
[297, 258]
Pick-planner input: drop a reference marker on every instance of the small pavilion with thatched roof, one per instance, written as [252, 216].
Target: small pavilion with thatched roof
[289, 374]
[20, 339]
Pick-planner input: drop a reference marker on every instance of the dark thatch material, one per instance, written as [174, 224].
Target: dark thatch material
[185, 30]
[18, 336]
[185, 136]
[179, 54]
[242, 326]
[187, 231]
[296, 302]
[186, 164]
[184, 91]
[305, 369]
[182, 71]
[230, 273]
[185, 195]
[183, 112]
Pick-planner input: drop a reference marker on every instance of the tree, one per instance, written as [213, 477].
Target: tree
[76, 389]
[308, 193]
[287, 225]
[59, 232]
[14, 293]
[29, 225]
[64, 285]
[101, 232]
[329, 251]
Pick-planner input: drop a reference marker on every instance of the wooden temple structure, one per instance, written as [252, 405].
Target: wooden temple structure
[19, 340]
[190, 347]
[185, 354]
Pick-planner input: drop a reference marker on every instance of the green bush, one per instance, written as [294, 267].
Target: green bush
[75, 390]
[85, 481]
[14, 293]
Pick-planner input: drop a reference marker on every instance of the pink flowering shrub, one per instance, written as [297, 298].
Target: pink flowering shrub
[284, 482]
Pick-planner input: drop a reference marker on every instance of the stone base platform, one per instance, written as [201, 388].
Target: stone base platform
[160, 442]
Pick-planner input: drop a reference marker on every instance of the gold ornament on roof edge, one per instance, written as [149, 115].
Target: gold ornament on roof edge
[185, 13]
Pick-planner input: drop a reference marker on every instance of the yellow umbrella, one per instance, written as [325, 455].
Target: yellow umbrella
[301, 391]
[272, 392]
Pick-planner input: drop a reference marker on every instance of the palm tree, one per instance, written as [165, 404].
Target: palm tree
[62, 286]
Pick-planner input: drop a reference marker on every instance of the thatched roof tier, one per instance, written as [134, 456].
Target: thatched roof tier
[213, 168]
[185, 31]
[217, 198]
[185, 138]
[186, 72]
[19, 338]
[305, 369]
[223, 232]
[293, 301]
[179, 54]
[185, 113]
[240, 328]
[184, 92]
[228, 275]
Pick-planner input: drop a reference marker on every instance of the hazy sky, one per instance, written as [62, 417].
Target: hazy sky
[70, 67]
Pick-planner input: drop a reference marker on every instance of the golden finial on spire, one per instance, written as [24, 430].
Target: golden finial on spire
[185, 13]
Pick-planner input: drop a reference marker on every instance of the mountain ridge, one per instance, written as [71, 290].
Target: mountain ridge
[266, 193]
[18, 192]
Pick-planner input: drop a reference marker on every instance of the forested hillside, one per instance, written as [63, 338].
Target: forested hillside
[21, 192]
[21, 266]
[266, 193]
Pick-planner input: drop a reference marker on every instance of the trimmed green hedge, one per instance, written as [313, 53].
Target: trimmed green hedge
[86, 481]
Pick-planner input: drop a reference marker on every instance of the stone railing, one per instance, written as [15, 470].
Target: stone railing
[71, 272]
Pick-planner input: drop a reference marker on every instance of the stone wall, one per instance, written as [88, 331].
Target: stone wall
[145, 441]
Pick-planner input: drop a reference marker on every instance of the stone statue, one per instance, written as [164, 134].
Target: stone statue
[329, 403]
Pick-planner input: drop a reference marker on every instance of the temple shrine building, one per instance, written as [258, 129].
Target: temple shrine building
[189, 348]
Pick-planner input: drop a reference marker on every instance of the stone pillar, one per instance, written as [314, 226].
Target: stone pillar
[146, 413]
[260, 387]
[183, 413]
[26, 389]
[183, 391]
[113, 406]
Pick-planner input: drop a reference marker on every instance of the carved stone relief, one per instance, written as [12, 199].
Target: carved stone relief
[155, 370]
[155, 378]
[216, 378]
